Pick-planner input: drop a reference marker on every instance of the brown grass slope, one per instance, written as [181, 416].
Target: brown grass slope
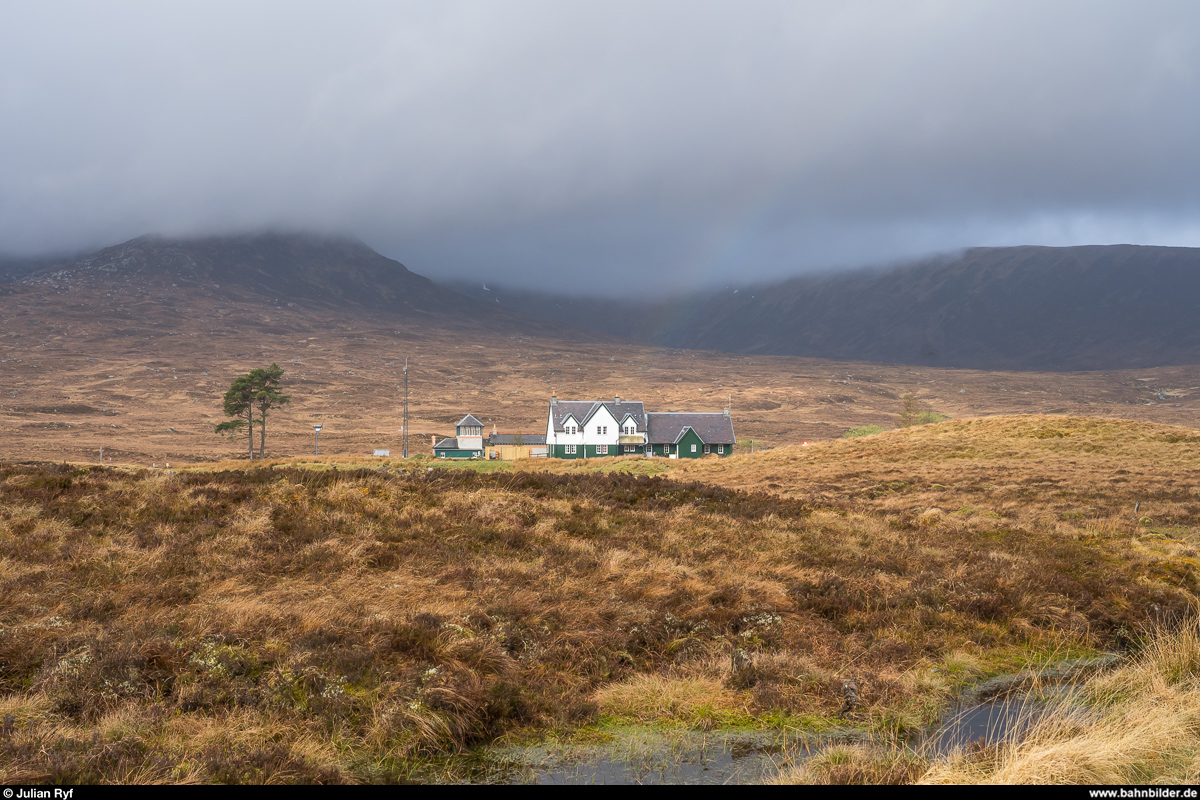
[286, 625]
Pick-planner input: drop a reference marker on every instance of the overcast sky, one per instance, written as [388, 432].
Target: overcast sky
[576, 146]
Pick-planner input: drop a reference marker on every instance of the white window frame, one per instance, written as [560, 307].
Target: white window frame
[570, 450]
[693, 448]
[720, 449]
[707, 449]
[601, 449]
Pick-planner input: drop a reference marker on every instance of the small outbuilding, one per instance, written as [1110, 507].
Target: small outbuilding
[467, 441]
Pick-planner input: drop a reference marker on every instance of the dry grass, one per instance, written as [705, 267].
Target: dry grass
[316, 625]
[1136, 725]
[697, 701]
[860, 764]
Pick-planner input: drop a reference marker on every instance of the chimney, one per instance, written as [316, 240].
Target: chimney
[553, 399]
[617, 400]
[726, 412]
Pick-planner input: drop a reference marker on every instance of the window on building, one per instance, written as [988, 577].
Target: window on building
[693, 448]
[707, 449]
[720, 449]
[570, 449]
[602, 450]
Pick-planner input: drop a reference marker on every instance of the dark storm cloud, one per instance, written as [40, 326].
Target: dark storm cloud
[655, 144]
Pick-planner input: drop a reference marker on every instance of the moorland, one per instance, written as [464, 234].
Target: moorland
[302, 622]
[350, 618]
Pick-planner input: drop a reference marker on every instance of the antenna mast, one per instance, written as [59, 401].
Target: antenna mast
[404, 430]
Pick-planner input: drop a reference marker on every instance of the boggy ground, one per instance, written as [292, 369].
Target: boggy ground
[297, 625]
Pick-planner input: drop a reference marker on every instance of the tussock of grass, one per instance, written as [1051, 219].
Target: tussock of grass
[841, 765]
[655, 699]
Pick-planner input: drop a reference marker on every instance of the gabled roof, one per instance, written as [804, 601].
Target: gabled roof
[469, 420]
[584, 410]
[668, 427]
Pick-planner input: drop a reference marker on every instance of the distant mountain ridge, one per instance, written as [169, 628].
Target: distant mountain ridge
[1025, 308]
[293, 266]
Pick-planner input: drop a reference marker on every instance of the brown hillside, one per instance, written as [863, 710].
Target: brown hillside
[133, 348]
[997, 308]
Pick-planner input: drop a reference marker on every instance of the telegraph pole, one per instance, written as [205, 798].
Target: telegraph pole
[404, 430]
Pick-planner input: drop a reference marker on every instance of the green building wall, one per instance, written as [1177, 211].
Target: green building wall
[684, 450]
[589, 451]
[458, 453]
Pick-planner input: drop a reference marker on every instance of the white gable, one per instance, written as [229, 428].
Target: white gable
[603, 417]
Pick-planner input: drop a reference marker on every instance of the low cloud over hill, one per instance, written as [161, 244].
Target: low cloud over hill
[1024, 308]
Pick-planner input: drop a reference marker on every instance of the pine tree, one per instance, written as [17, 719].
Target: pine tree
[266, 397]
[257, 390]
[239, 401]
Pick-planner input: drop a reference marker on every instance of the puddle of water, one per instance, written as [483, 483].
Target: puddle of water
[992, 722]
[739, 763]
[688, 757]
[1003, 719]
[646, 758]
